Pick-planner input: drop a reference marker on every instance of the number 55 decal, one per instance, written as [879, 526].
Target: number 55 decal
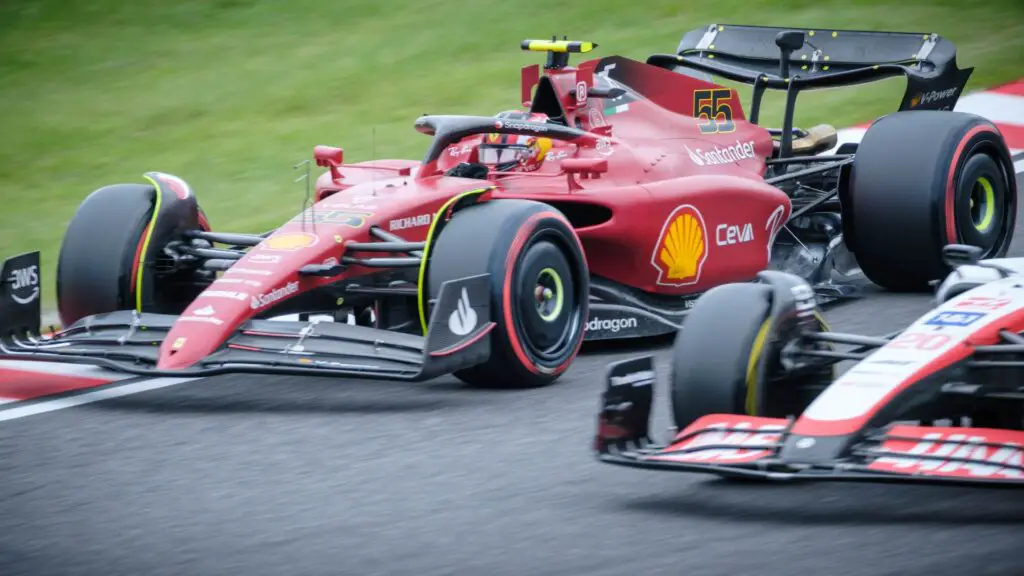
[713, 111]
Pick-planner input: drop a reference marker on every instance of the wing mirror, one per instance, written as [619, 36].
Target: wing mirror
[329, 157]
[585, 167]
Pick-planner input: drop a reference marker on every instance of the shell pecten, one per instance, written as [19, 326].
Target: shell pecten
[683, 247]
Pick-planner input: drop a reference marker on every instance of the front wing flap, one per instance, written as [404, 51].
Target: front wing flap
[130, 342]
[739, 446]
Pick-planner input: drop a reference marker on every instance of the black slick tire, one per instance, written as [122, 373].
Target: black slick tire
[921, 180]
[720, 338]
[539, 287]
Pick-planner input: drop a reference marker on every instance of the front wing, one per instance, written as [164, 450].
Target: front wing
[738, 446]
[129, 342]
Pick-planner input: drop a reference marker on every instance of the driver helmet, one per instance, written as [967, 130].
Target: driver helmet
[515, 152]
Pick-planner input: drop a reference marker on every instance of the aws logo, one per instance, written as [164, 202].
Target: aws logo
[682, 248]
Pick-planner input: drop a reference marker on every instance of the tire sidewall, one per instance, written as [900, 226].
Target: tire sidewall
[712, 350]
[905, 186]
[495, 237]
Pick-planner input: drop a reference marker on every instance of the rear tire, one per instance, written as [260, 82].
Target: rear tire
[97, 266]
[539, 287]
[922, 180]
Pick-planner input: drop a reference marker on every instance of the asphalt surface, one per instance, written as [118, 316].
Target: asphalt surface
[254, 475]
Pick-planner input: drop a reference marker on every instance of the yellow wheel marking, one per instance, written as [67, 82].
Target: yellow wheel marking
[752, 361]
[145, 242]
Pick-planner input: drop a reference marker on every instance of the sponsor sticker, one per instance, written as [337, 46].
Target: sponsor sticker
[951, 318]
[990, 454]
[264, 300]
[458, 150]
[237, 270]
[204, 319]
[348, 218]
[226, 295]
[773, 226]
[611, 325]
[984, 303]
[581, 93]
[751, 441]
[463, 319]
[635, 379]
[263, 259]
[290, 241]
[604, 147]
[717, 156]
[24, 284]
[728, 234]
[933, 96]
[410, 222]
[253, 283]
[204, 314]
[178, 344]
[517, 125]
[682, 249]
[557, 154]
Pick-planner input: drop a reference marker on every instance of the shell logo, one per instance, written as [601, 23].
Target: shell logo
[682, 248]
[290, 241]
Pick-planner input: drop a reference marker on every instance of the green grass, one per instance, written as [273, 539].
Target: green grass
[228, 94]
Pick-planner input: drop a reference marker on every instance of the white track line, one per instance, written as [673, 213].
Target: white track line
[89, 397]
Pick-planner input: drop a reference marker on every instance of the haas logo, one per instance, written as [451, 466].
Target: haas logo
[463, 318]
[25, 280]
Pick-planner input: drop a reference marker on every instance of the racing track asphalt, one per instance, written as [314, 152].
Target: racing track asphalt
[276, 476]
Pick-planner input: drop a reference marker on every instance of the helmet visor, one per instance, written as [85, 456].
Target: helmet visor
[502, 156]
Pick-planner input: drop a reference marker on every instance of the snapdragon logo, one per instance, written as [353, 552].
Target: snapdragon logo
[728, 155]
[613, 325]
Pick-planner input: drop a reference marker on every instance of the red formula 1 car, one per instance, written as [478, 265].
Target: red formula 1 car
[753, 394]
[619, 193]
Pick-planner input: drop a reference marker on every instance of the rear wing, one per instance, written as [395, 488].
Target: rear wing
[795, 59]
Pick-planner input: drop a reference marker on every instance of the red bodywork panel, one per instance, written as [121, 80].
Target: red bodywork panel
[684, 189]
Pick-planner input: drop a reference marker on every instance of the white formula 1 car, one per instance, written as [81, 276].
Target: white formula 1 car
[754, 394]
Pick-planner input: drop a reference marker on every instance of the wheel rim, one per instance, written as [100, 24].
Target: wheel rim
[549, 294]
[546, 315]
[983, 204]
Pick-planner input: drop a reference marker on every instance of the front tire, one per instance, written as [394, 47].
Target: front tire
[726, 359]
[539, 287]
[722, 335]
[98, 270]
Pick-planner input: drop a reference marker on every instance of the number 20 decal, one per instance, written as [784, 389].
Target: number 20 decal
[926, 342]
[712, 109]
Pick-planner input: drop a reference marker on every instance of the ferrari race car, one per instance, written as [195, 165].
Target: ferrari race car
[619, 193]
[753, 395]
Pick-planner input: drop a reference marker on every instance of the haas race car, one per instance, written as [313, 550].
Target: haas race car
[618, 193]
[753, 394]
